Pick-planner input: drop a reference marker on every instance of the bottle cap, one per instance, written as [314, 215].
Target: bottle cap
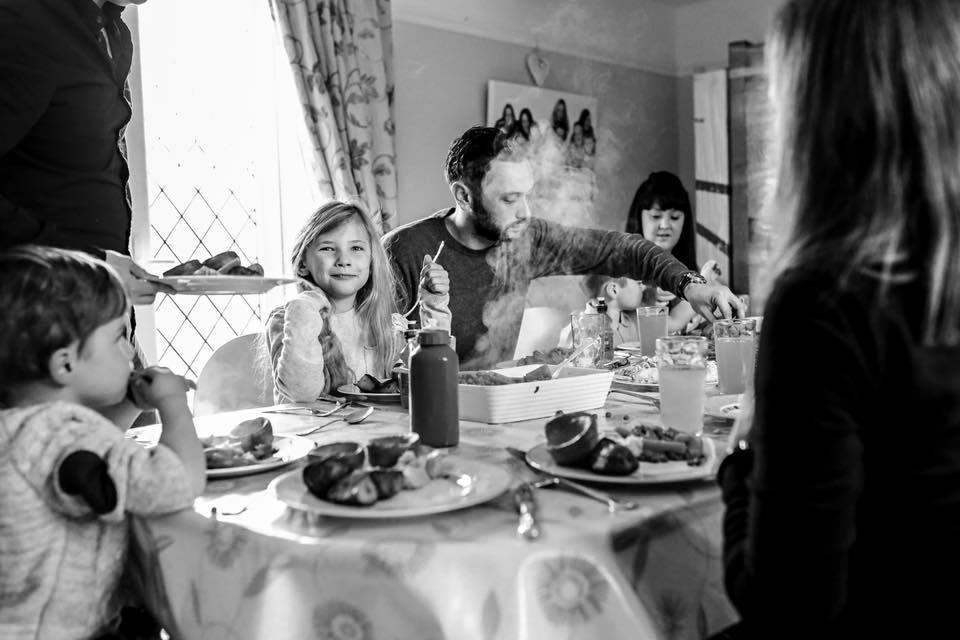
[431, 337]
[601, 306]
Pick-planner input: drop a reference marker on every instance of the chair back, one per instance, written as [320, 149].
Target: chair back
[237, 376]
[540, 329]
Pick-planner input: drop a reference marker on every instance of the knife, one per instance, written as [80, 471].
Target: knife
[526, 502]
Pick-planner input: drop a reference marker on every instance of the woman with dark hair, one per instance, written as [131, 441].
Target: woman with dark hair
[661, 213]
[528, 126]
[843, 500]
[508, 119]
[559, 121]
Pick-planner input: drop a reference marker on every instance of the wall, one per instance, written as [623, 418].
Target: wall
[441, 79]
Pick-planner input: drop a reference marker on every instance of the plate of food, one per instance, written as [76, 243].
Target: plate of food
[251, 447]
[725, 407]
[551, 356]
[219, 275]
[633, 455]
[371, 389]
[388, 477]
[641, 374]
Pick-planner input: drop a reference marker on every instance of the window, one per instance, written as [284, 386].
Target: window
[222, 136]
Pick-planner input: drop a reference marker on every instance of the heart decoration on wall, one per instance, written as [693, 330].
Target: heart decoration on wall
[538, 66]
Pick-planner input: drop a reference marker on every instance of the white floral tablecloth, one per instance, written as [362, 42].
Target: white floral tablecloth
[271, 572]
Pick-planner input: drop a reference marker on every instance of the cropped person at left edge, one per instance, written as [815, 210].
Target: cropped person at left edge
[64, 105]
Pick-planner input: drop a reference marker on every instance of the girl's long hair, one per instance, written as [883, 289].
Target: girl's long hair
[866, 144]
[374, 304]
[665, 190]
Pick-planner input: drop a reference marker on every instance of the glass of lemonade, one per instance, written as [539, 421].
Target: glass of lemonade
[651, 324]
[682, 368]
[735, 341]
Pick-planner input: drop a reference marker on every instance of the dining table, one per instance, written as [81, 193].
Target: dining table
[244, 564]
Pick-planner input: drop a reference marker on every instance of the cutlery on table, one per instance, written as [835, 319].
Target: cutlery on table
[549, 480]
[317, 413]
[635, 394]
[528, 527]
[354, 417]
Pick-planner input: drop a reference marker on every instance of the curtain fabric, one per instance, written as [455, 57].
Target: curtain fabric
[341, 53]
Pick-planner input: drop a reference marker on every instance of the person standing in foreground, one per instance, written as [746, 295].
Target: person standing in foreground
[494, 249]
[843, 500]
[64, 105]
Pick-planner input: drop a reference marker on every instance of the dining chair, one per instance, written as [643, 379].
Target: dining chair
[237, 376]
[540, 329]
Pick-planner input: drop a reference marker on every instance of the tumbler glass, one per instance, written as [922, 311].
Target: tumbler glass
[587, 326]
[735, 341]
[651, 324]
[682, 368]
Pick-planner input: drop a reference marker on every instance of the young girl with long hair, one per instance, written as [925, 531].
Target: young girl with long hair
[340, 326]
[843, 500]
[68, 477]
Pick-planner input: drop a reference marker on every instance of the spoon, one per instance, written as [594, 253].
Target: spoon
[317, 413]
[354, 417]
[573, 356]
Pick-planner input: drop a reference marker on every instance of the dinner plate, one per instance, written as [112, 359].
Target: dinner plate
[633, 348]
[353, 392]
[620, 382]
[289, 449]
[222, 285]
[486, 482]
[725, 407]
[646, 473]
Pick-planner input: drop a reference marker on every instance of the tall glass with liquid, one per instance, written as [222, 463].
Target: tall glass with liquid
[651, 324]
[682, 368]
[735, 341]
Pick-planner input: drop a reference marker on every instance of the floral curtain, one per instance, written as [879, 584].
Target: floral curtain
[341, 52]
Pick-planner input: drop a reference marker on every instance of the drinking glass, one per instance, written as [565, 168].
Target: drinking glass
[682, 368]
[735, 341]
[587, 326]
[651, 324]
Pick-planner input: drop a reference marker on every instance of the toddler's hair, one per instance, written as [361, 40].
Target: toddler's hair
[50, 298]
[593, 285]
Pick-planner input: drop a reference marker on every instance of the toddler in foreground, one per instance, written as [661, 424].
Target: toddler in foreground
[68, 477]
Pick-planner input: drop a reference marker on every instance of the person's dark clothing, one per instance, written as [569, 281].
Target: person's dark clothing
[842, 521]
[63, 110]
[488, 286]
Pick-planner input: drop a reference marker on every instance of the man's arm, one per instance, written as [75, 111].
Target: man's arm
[560, 250]
[25, 91]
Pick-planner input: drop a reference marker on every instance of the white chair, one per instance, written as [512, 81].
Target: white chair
[237, 376]
[540, 329]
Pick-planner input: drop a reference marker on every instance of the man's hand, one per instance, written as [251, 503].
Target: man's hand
[713, 301]
[134, 279]
[433, 277]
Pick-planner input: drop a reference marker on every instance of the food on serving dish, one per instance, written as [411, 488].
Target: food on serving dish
[662, 444]
[226, 264]
[386, 451]
[250, 442]
[643, 370]
[571, 437]
[553, 356]
[357, 489]
[394, 463]
[494, 378]
[372, 385]
[612, 459]
[350, 453]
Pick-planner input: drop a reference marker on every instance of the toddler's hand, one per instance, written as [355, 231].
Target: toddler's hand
[664, 297]
[712, 272]
[433, 277]
[150, 387]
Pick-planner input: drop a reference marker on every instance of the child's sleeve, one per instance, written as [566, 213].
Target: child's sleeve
[298, 362]
[144, 481]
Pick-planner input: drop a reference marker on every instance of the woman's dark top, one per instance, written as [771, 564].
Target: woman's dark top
[843, 520]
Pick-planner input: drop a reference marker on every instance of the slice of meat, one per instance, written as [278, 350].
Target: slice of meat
[223, 260]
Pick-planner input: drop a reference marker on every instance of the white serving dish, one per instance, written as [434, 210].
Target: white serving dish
[575, 390]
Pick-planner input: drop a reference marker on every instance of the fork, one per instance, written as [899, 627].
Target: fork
[639, 396]
[613, 504]
[317, 413]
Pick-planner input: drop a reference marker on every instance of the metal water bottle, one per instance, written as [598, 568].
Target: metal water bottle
[434, 406]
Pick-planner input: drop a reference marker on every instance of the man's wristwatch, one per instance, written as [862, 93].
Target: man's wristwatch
[690, 277]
